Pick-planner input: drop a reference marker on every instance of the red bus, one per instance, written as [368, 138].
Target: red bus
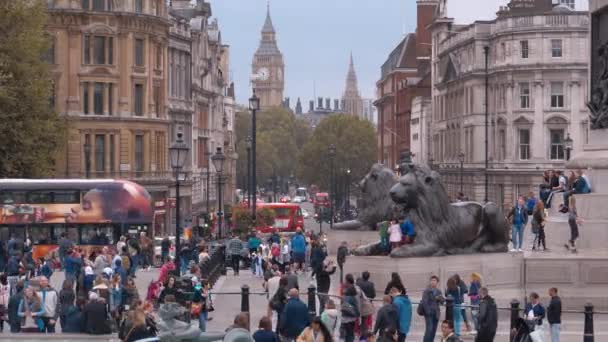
[321, 199]
[288, 217]
[92, 213]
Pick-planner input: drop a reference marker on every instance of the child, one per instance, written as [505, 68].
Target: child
[256, 265]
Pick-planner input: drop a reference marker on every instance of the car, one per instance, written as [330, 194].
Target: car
[157, 248]
[284, 199]
[299, 199]
[305, 213]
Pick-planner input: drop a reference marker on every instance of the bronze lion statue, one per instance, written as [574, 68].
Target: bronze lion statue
[442, 227]
[375, 188]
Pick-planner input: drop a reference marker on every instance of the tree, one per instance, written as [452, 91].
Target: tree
[277, 144]
[31, 131]
[355, 142]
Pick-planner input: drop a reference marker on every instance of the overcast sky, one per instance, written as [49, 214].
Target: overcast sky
[317, 36]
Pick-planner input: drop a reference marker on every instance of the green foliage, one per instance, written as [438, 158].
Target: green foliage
[355, 142]
[243, 220]
[279, 138]
[31, 131]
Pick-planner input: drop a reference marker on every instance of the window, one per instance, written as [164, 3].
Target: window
[85, 4]
[98, 98]
[524, 95]
[85, 98]
[415, 136]
[98, 50]
[39, 197]
[525, 50]
[139, 52]
[139, 153]
[110, 99]
[524, 144]
[40, 235]
[66, 196]
[98, 5]
[502, 138]
[557, 144]
[159, 57]
[157, 101]
[97, 235]
[556, 48]
[557, 95]
[112, 154]
[139, 6]
[100, 153]
[49, 55]
[138, 102]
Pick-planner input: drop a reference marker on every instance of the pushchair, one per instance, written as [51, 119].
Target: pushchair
[521, 331]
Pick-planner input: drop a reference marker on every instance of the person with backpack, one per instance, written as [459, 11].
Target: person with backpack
[366, 309]
[404, 312]
[430, 309]
[387, 317]
[350, 313]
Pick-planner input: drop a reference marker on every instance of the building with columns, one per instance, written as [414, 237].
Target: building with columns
[110, 75]
[537, 89]
[268, 68]
[207, 90]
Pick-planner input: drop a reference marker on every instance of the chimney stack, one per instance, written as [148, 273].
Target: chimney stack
[320, 103]
[311, 106]
[336, 105]
[328, 103]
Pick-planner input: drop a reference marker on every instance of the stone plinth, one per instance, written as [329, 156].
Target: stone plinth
[580, 278]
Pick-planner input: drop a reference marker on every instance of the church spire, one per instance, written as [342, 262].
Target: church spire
[268, 27]
[351, 79]
[353, 104]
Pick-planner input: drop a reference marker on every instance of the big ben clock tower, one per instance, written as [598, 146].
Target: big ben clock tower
[268, 68]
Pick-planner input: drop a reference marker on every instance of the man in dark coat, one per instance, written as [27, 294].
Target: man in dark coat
[554, 314]
[324, 282]
[366, 285]
[488, 317]
[95, 316]
[387, 317]
[296, 313]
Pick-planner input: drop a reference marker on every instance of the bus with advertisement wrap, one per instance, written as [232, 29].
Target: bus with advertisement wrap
[91, 213]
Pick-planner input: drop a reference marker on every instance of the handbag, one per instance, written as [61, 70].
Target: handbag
[420, 310]
[195, 309]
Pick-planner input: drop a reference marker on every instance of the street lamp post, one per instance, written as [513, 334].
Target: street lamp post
[254, 106]
[248, 186]
[461, 159]
[332, 155]
[87, 158]
[268, 187]
[218, 160]
[347, 202]
[568, 143]
[178, 153]
[486, 50]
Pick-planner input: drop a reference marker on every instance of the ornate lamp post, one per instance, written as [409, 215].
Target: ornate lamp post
[87, 158]
[332, 195]
[348, 171]
[218, 160]
[568, 144]
[254, 106]
[178, 153]
[461, 159]
[248, 186]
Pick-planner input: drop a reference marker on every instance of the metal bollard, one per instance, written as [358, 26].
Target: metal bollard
[588, 337]
[514, 317]
[449, 308]
[312, 302]
[245, 298]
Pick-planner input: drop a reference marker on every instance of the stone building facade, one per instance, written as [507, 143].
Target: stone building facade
[537, 94]
[268, 68]
[110, 81]
[405, 75]
[210, 95]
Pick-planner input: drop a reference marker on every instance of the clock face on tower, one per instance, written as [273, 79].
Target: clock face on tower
[263, 74]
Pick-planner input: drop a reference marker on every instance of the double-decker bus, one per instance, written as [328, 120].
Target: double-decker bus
[92, 213]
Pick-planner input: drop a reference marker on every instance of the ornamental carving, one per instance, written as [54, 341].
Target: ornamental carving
[598, 106]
